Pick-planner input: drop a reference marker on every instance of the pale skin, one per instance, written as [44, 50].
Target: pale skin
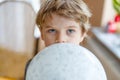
[61, 30]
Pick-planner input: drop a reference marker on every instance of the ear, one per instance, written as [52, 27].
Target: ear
[41, 31]
[42, 44]
[83, 36]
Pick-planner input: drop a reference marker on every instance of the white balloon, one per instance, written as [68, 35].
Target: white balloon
[65, 61]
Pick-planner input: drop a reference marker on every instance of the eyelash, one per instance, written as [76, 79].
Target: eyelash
[51, 30]
[70, 31]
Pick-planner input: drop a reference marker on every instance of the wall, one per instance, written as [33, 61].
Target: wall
[108, 12]
[96, 7]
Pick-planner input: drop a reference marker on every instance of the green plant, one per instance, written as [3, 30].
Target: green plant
[116, 5]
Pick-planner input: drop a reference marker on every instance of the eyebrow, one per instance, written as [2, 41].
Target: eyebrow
[48, 26]
[72, 27]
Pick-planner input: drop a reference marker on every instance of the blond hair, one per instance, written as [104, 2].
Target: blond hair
[72, 9]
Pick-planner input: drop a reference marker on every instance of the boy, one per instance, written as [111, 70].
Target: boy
[63, 21]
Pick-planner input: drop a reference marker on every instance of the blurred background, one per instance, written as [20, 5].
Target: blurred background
[20, 38]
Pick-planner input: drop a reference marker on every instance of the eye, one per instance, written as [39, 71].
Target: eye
[69, 31]
[51, 30]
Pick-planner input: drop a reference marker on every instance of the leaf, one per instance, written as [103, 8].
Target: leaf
[116, 5]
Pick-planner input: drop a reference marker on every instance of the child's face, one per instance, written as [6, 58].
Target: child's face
[61, 30]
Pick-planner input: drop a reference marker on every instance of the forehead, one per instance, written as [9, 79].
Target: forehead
[57, 20]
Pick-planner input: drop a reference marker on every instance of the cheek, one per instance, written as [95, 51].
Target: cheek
[76, 38]
[48, 40]
[44, 35]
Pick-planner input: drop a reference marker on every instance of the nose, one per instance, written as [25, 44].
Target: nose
[61, 38]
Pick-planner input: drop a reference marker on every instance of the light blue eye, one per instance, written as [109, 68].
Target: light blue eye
[71, 31]
[51, 30]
